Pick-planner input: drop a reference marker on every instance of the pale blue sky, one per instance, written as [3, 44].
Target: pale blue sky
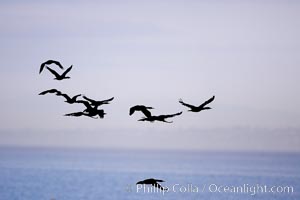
[247, 53]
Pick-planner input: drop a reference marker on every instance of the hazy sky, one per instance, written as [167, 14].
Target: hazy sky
[246, 53]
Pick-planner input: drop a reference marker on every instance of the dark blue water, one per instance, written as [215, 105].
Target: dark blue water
[37, 174]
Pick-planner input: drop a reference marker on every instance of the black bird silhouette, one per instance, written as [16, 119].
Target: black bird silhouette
[50, 91]
[49, 62]
[91, 111]
[78, 114]
[88, 106]
[142, 108]
[62, 76]
[161, 118]
[198, 108]
[98, 103]
[100, 113]
[154, 182]
[69, 99]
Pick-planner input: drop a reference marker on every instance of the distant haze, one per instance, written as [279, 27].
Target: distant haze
[246, 53]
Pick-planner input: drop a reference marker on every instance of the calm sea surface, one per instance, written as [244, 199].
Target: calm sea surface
[39, 173]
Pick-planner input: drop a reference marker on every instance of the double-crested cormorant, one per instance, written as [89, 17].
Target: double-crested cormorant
[93, 115]
[49, 62]
[69, 99]
[152, 181]
[50, 91]
[142, 108]
[198, 108]
[161, 118]
[91, 111]
[62, 76]
[98, 103]
[78, 114]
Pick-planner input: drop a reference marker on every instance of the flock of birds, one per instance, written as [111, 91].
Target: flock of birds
[91, 106]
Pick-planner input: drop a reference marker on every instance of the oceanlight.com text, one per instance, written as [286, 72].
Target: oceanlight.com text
[214, 188]
[250, 189]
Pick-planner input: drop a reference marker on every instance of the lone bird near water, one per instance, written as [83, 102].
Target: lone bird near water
[50, 91]
[161, 118]
[142, 108]
[154, 182]
[62, 76]
[198, 108]
[49, 62]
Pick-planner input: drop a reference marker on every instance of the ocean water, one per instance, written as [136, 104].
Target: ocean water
[40, 173]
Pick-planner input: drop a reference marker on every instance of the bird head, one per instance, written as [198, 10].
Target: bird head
[140, 182]
[101, 113]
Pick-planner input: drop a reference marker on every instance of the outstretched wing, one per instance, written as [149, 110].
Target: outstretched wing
[75, 97]
[67, 71]
[53, 72]
[108, 100]
[64, 95]
[98, 102]
[85, 103]
[159, 180]
[208, 101]
[42, 67]
[146, 112]
[75, 114]
[169, 116]
[145, 119]
[187, 105]
[132, 110]
[58, 64]
[88, 99]
[49, 91]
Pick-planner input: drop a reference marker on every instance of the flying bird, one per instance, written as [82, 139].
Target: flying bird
[50, 91]
[153, 182]
[79, 114]
[98, 103]
[68, 98]
[93, 115]
[62, 76]
[49, 62]
[198, 108]
[161, 118]
[142, 108]
[92, 111]
[88, 106]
